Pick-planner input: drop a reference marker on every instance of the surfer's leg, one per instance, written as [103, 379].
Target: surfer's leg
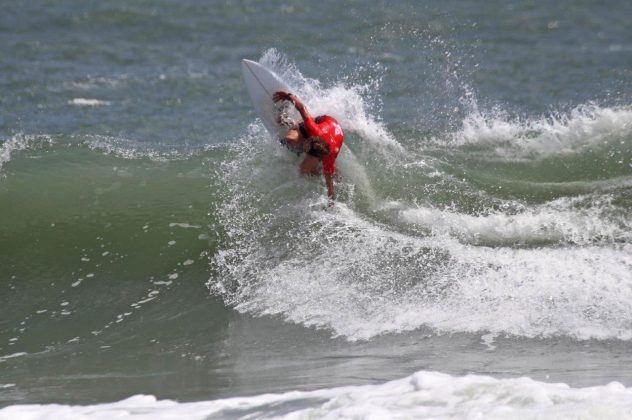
[310, 166]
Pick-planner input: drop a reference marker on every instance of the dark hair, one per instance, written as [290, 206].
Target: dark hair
[317, 147]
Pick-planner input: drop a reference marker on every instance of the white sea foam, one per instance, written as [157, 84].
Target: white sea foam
[360, 280]
[88, 102]
[184, 225]
[422, 395]
[12, 356]
[342, 270]
[554, 267]
[584, 127]
[577, 220]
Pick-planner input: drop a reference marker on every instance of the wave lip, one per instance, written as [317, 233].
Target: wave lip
[584, 127]
[561, 221]
[21, 142]
[421, 395]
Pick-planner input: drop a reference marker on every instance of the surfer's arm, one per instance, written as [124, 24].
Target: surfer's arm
[300, 107]
[331, 193]
[298, 104]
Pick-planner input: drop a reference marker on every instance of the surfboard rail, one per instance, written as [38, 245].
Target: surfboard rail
[261, 84]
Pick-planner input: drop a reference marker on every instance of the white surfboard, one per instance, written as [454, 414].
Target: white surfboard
[262, 84]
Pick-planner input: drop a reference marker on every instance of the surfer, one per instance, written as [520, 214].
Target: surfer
[320, 138]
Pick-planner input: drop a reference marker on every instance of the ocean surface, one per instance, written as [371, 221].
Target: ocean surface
[160, 256]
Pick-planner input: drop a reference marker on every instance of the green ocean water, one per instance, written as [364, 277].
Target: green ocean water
[154, 239]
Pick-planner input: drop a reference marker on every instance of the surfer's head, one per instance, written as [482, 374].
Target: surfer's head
[316, 146]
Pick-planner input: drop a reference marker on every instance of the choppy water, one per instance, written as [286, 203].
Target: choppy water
[154, 240]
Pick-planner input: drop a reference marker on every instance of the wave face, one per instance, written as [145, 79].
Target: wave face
[509, 226]
[422, 395]
[155, 240]
[503, 228]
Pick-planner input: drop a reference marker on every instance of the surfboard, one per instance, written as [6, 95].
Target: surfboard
[262, 83]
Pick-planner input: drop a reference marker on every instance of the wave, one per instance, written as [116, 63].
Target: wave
[583, 127]
[580, 220]
[19, 143]
[337, 270]
[32, 145]
[421, 395]
[436, 237]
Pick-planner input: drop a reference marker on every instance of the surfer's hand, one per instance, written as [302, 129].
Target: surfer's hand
[281, 96]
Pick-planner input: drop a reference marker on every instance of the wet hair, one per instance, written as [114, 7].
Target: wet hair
[317, 147]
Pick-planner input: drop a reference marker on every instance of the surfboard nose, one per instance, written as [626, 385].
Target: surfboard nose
[245, 62]
[261, 84]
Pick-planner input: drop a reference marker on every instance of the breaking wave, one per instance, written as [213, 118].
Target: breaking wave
[512, 227]
[422, 395]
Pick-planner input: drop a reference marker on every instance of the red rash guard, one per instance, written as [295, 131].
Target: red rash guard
[328, 129]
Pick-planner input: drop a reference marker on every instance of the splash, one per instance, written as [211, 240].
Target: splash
[441, 245]
[343, 102]
[21, 142]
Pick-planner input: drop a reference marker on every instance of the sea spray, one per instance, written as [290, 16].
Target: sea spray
[445, 243]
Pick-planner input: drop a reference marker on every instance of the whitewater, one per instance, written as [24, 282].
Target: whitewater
[422, 395]
[160, 257]
[542, 253]
[436, 251]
